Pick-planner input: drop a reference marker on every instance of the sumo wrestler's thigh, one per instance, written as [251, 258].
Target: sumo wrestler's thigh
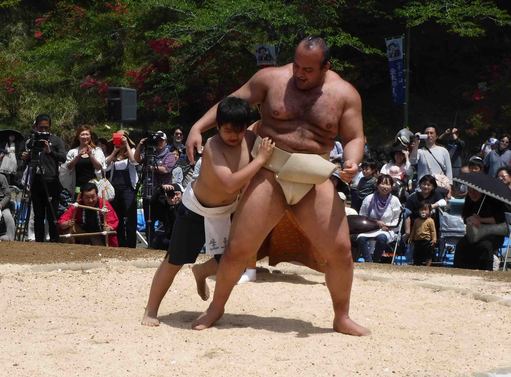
[322, 218]
[260, 209]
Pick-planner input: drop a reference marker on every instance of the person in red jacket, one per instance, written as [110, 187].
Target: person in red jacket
[79, 219]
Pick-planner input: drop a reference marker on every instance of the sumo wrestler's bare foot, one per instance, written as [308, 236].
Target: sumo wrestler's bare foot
[207, 319]
[346, 326]
[202, 285]
[150, 319]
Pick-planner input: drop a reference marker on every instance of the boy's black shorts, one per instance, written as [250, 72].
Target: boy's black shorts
[187, 237]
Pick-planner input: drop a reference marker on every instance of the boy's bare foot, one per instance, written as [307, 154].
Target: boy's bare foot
[150, 319]
[202, 285]
[346, 326]
[207, 319]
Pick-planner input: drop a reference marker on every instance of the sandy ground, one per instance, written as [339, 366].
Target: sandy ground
[75, 311]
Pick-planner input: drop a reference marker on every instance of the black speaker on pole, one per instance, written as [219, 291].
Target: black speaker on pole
[122, 104]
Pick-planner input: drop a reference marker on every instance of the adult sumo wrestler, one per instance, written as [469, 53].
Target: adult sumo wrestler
[304, 106]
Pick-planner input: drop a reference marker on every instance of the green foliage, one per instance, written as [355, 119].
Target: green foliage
[463, 17]
[9, 3]
[184, 55]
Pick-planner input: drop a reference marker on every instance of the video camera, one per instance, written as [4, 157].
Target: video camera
[161, 196]
[38, 138]
[153, 138]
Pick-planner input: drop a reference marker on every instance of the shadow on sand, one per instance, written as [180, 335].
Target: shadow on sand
[184, 319]
[278, 276]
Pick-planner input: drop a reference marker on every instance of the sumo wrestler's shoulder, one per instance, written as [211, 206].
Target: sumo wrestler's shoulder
[340, 86]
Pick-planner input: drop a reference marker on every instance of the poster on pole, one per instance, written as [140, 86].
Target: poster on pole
[396, 68]
[265, 55]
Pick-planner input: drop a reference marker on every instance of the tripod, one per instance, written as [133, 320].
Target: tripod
[22, 216]
[148, 181]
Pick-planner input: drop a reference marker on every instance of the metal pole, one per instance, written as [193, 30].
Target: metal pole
[407, 79]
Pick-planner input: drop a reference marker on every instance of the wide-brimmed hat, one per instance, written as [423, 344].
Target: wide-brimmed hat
[131, 143]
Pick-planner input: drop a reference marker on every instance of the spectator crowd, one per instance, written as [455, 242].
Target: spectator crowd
[93, 191]
[89, 193]
[403, 194]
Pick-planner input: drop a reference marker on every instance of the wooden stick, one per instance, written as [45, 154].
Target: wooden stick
[104, 216]
[106, 232]
[77, 205]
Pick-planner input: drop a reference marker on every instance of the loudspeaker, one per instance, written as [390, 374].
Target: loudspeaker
[122, 104]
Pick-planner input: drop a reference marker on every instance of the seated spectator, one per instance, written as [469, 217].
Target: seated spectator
[429, 194]
[336, 154]
[366, 185]
[475, 165]
[163, 209]
[400, 169]
[398, 158]
[478, 210]
[5, 210]
[84, 161]
[121, 165]
[504, 174]
[9, 164]
[81, 218]
[423, 237]
[385, 208]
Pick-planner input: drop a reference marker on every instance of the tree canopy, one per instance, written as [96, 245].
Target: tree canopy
[184, 55]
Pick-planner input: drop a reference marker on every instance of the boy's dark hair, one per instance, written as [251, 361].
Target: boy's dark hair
[369, 164]
[235, 111]
[86, 187]
[42, 117]
[424, 205]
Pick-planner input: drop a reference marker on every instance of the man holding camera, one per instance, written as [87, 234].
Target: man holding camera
[454, 145]
[432, 158]
[158, 162]
[44, 152]
[163, 209]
